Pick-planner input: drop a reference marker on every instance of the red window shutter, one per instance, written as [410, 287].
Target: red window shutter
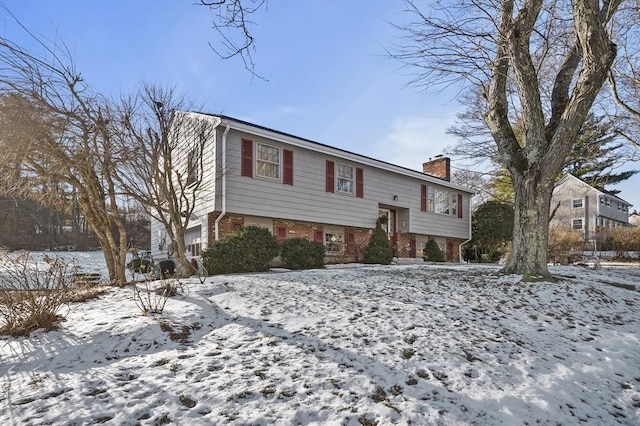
[359, 182]
[287, 176]
[351, 243]
[319, 237]
[282, 233]
[423, 199]
[247, 158]
[460, 205]
[331, 181]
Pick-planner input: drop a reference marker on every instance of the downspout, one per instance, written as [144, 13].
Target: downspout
[470, 237]
[224, 183]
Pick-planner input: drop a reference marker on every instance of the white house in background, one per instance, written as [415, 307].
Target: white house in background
[582, 207]
[634, 218]
[299, 188]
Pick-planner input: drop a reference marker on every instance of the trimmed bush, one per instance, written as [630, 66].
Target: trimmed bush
[378, 250]
[432, 252]
[249, 249]
[300, 253]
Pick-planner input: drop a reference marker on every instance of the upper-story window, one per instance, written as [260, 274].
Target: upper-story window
[267, 161]
[607, 202]
[430, 199]
[192, 167]
[442, 201]
[454, 204]
[576, 223]
[344, 178]
[577, 203]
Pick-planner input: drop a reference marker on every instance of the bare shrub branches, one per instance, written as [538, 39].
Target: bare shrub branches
[151, 300]
[32, 294]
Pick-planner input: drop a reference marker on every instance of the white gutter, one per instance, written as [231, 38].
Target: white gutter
[224, 182]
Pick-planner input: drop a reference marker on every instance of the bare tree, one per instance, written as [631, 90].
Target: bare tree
[66, 138]
[231, 20]
[624, 76]
[164, 169]
[502, 47]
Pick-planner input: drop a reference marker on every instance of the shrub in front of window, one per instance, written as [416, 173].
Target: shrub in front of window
[300, 253]
[378, 250]
[249, 249]
[432, 252]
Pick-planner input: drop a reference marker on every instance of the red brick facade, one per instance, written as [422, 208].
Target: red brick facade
[356, 239]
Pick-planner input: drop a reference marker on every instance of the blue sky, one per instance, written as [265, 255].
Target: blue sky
[328, 76]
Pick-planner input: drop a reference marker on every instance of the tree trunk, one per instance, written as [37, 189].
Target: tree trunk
[114, 251]
[533, 190]
[180, 253]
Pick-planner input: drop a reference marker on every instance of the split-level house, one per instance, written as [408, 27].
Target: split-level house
[578, 205]
[299, 188]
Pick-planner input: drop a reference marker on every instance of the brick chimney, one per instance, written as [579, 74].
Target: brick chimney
[439, 167]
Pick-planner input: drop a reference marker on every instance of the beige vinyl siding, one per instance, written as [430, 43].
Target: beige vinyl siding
[307, 200]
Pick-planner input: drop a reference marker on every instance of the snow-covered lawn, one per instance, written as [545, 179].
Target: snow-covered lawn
[403, 344]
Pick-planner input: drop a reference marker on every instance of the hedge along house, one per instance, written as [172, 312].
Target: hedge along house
[299, 188]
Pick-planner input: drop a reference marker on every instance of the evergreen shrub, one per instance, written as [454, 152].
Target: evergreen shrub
[432, 252]
[378, 250]
[249, 249]
[300, 253]
[139, 265]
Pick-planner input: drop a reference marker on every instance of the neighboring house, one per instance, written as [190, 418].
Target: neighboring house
[299, 188]
[634, 218]
[582, 207]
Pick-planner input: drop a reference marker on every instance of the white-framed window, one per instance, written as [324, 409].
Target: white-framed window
[576, 223]
[345, 179]
[577, 203]
[430, 198]
[454, 204]
[607, 202]
[442, 201]
[334, 242]
[267, 161]
[602, 201]
[193, 169]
